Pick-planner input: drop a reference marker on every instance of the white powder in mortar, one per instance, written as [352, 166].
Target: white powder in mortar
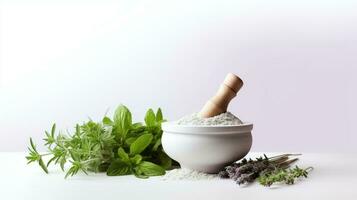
[226, 118]
[187, 174]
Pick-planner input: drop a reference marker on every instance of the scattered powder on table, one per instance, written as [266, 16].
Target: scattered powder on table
[226, 118]
[187, 174]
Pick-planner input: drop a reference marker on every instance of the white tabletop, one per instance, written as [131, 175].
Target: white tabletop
[334, 177]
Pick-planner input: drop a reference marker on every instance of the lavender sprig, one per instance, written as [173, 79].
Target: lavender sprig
[247, 171]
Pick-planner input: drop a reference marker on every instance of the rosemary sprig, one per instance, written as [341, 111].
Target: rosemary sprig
[34, 156]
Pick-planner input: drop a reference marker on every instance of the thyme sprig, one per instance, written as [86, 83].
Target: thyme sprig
[287, 176]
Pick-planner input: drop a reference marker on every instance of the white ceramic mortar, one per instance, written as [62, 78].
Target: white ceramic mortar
[206, 148]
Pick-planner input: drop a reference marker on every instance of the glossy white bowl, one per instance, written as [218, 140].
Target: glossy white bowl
[206, 148]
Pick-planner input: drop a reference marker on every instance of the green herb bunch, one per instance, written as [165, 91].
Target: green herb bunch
[287, 176]
[266, 170]
[116, 146]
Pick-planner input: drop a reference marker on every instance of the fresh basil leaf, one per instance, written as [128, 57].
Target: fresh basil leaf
[157, 144]
[139, 174]
[136, 129]
[137, 132]
[136, 159]
[150, 118]
[130, 140]
[122, 120]
[140, 144]
[159, 116]
[136, 125]
[123, 155]
[107, 121]
[118, 168]
[151, 169]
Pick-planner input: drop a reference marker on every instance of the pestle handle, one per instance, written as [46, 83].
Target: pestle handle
[219, 103]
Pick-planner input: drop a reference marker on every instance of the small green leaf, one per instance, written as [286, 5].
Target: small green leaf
[53, 130]
[70, 172]
[49, 139]
[118, 168]
[136, 125]
[76, 166]
[74, 155]
[33, 145]
[137, 131]
[140, 144]
[107, 121]
[156, 145]
[78, 130]
[62, 162]
[139, 174]
[122, 120]
[123, 155]
[43, 166]
[159, 116]
[51, 160]
[136, 159]
[150, 118]
[130, 140]
[151, 169]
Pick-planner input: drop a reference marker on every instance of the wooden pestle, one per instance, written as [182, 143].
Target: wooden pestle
[218, 104]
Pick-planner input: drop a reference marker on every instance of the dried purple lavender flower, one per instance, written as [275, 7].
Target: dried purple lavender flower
[246, 171]
[246, 178]
[223, 174]
[245, 168]
[229, 171]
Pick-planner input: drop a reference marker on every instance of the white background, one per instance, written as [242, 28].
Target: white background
[65, 62]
